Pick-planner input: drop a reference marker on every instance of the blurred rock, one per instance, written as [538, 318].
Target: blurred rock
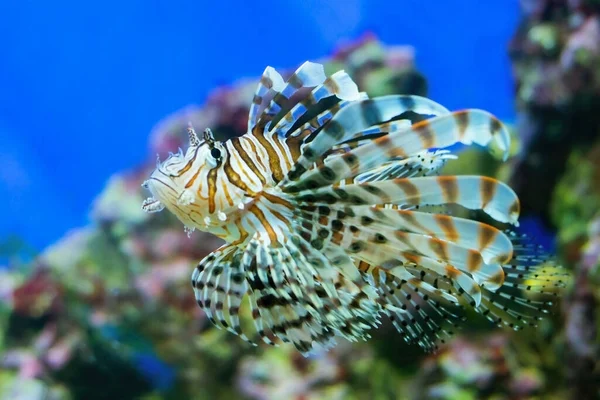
[555, 55]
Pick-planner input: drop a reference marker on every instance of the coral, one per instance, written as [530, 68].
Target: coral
[555, 55]
[576, 212]
[487, 367]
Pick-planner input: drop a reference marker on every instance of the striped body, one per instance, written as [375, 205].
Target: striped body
[326, 208]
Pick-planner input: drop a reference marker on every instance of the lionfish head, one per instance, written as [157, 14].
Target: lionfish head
[176, 183]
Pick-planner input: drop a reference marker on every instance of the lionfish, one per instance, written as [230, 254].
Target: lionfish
[334, 215]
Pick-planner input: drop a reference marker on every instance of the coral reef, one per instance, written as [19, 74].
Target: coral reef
[555, 54]
[576, 212]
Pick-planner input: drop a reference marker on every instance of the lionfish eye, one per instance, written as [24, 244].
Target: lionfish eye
[215, 153]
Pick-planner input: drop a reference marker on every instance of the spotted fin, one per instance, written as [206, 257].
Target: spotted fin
[420, 311]
[377, 243]
[219, 283]
[296, 294]
[532, 284]
[316, 123]
[494, 197]
[270, 80]
[308, 74]
[298, 138]
[339, 84]
[423, 313]
[357, 117]
[424, 290]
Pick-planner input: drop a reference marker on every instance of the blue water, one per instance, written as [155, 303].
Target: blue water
[82, 83]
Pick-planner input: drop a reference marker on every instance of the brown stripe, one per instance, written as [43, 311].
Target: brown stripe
[277, 173]
[495, 125]
[189, 164]
[505, 258]
[225, 188]
[452, 272]
[411, 257]
[186, 168]
[385, 144]
[307, 226]
[410, 190]
[440, 248]
[474, 261]
[211, 181]
[331, 85]
[279, 216]
[315, 121]
[261, 218]
[515, 208]
[498, 279]
[246, 158]
[289, 117]
[462, 121]
[388, 147]
[255, 151]
[277, 200]
[409, 217]
[337, 237]
[257, 100]
[193, 179]
[449, 187]
[295, 81]
[246, 173]
[415, 282]
[243, 234]
[488, 189]
[426, 133]
[447, 225]
[475, 289]
[309, 101]
[266, 82]
[233, 176]
[287, 162]
[403, 237]
[363, 266]
[295, 142]
[486, 235]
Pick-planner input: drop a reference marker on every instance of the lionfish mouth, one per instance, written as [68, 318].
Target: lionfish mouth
[151, 205]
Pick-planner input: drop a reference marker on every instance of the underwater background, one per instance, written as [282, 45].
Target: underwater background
[95, 300]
